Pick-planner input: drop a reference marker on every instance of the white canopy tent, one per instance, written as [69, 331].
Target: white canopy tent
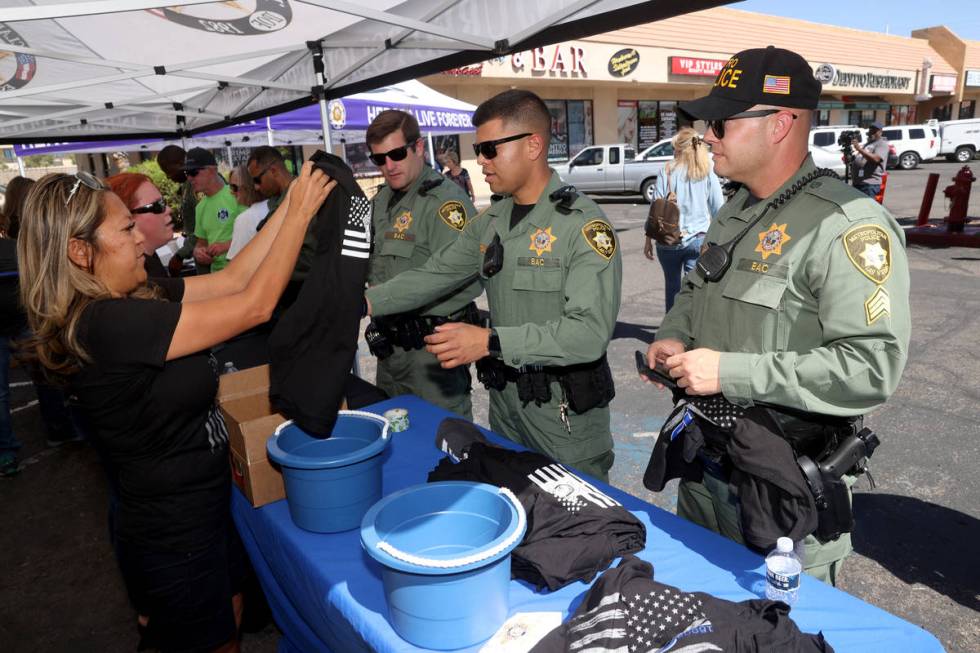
[111, 69]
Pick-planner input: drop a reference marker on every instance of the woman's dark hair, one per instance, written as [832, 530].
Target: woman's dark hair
[13, 205]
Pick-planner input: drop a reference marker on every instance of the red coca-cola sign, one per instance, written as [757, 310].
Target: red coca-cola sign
[693, 66]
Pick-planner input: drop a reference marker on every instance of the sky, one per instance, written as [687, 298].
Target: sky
[897, 17]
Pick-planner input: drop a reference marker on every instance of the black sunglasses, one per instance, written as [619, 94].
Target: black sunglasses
[489, 148]
[397, 154]
[157, 207]
[718, 126]
[257, 179]
[192, 173]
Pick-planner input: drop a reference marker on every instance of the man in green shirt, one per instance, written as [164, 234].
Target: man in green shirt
[811, 316]
[216, 210]
[551, 267]
[415, 214]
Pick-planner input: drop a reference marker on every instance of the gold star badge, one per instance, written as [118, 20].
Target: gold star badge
[771, 241]
[541, 241]
[403, 221]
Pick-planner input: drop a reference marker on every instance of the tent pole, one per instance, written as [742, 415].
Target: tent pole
[20, 166]
[316, 51]
[432, 150]
[268, 130]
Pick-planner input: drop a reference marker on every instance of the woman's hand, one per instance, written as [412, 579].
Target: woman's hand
[310, 191]
[648, 249]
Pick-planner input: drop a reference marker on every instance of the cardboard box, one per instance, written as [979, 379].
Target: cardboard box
[244, 401]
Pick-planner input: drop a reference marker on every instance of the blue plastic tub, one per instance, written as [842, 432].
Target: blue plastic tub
[445, 550]
[331, 482]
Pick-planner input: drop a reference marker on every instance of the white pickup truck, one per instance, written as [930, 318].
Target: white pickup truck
[617, 169]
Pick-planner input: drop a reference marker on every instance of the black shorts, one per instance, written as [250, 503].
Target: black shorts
[186, 596]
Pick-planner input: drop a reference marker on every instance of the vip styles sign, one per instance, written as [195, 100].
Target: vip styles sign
[830, 75]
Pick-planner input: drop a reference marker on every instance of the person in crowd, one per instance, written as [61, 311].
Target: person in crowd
[171, 162]
[247, 222]
[552, 269]
[869, 161]
[697, 189]
[269, 175]
[416, 213]
[151, 214]
[129, 350]
[457, 174]
[216, 211]
[12, 325]
[810, 315]
[13, 204]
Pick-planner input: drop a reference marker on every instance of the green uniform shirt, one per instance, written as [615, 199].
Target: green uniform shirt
[555, 300]
[215, 221]
[416, 227]
[813, 313]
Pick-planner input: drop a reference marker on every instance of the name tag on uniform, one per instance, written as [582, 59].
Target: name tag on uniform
[398, 235]
[780, 270]
[539, 262]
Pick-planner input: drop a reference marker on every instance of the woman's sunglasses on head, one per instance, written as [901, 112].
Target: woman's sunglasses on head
[86, 179]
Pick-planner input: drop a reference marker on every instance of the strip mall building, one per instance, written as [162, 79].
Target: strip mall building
[624, 86]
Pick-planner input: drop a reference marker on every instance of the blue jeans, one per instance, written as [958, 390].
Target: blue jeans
[8, 441]
[869, 190]
[676, 261]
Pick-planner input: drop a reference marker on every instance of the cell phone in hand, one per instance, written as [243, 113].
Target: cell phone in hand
[657, 375]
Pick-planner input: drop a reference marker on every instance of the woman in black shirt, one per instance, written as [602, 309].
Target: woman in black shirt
[136, 356]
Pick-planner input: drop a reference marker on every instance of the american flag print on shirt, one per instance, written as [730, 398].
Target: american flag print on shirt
[357, 231]
[776, 84]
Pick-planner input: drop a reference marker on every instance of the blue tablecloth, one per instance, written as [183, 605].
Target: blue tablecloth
[326, 593]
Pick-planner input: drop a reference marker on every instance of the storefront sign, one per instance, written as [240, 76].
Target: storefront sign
[696, 67]
[973, 78]
[624, 62]
[556, 60]
[465, 71]
[828, 75]
[943, 83]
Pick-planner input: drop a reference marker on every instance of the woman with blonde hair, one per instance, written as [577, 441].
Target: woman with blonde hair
[136, 357]
[698, 192]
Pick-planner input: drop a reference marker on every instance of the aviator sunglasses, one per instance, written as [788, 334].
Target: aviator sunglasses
[397, 154]
[718, 126]
[86, 179]
[157, 207]
[489, 148]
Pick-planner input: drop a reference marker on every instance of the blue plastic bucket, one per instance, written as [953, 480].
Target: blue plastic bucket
[331, 482]
[445, 550]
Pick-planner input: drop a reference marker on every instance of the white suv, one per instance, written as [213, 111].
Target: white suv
[913, 143]
[824, 148]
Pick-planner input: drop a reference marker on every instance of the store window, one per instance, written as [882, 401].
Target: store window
[944, 112]
[967, 109]
[821, 117]
[861, 117]
[898, 114]
[641, 123]
[571, 127]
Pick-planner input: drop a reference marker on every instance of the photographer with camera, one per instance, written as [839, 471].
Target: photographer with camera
[794, 323]
[869, 161]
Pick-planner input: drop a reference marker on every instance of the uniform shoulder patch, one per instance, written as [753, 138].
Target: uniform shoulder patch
[600, 237]
[453, 213]
[869, 248]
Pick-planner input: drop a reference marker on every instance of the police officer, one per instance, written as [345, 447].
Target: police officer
[551, 267]
[811, 313]
[415, 214]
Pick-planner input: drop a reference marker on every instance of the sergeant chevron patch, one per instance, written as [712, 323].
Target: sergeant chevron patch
[877, 305]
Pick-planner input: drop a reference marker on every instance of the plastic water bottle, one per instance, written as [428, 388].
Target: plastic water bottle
[229, 368]
[783, 570]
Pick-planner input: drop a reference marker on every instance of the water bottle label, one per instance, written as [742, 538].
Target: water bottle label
[784, 582]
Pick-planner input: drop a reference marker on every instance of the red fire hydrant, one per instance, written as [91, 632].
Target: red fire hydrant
[959, 197]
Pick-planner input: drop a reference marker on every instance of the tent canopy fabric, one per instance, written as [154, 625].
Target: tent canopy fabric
[349, 117]
[111, 69]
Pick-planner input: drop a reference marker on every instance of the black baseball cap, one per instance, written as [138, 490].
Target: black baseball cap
[198, 158]
[770, 75]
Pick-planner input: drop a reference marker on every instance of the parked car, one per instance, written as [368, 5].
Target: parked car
[827, 153]
[913, 143]
[959, 140]
[616, 169]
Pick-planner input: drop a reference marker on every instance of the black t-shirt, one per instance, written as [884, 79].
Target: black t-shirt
[154, 267]
[12, 319]
[519, 212]
[156, 422]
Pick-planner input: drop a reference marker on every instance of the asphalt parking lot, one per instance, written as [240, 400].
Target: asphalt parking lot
[916, 536]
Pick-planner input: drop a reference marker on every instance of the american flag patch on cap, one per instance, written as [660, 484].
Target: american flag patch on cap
[776, 84]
